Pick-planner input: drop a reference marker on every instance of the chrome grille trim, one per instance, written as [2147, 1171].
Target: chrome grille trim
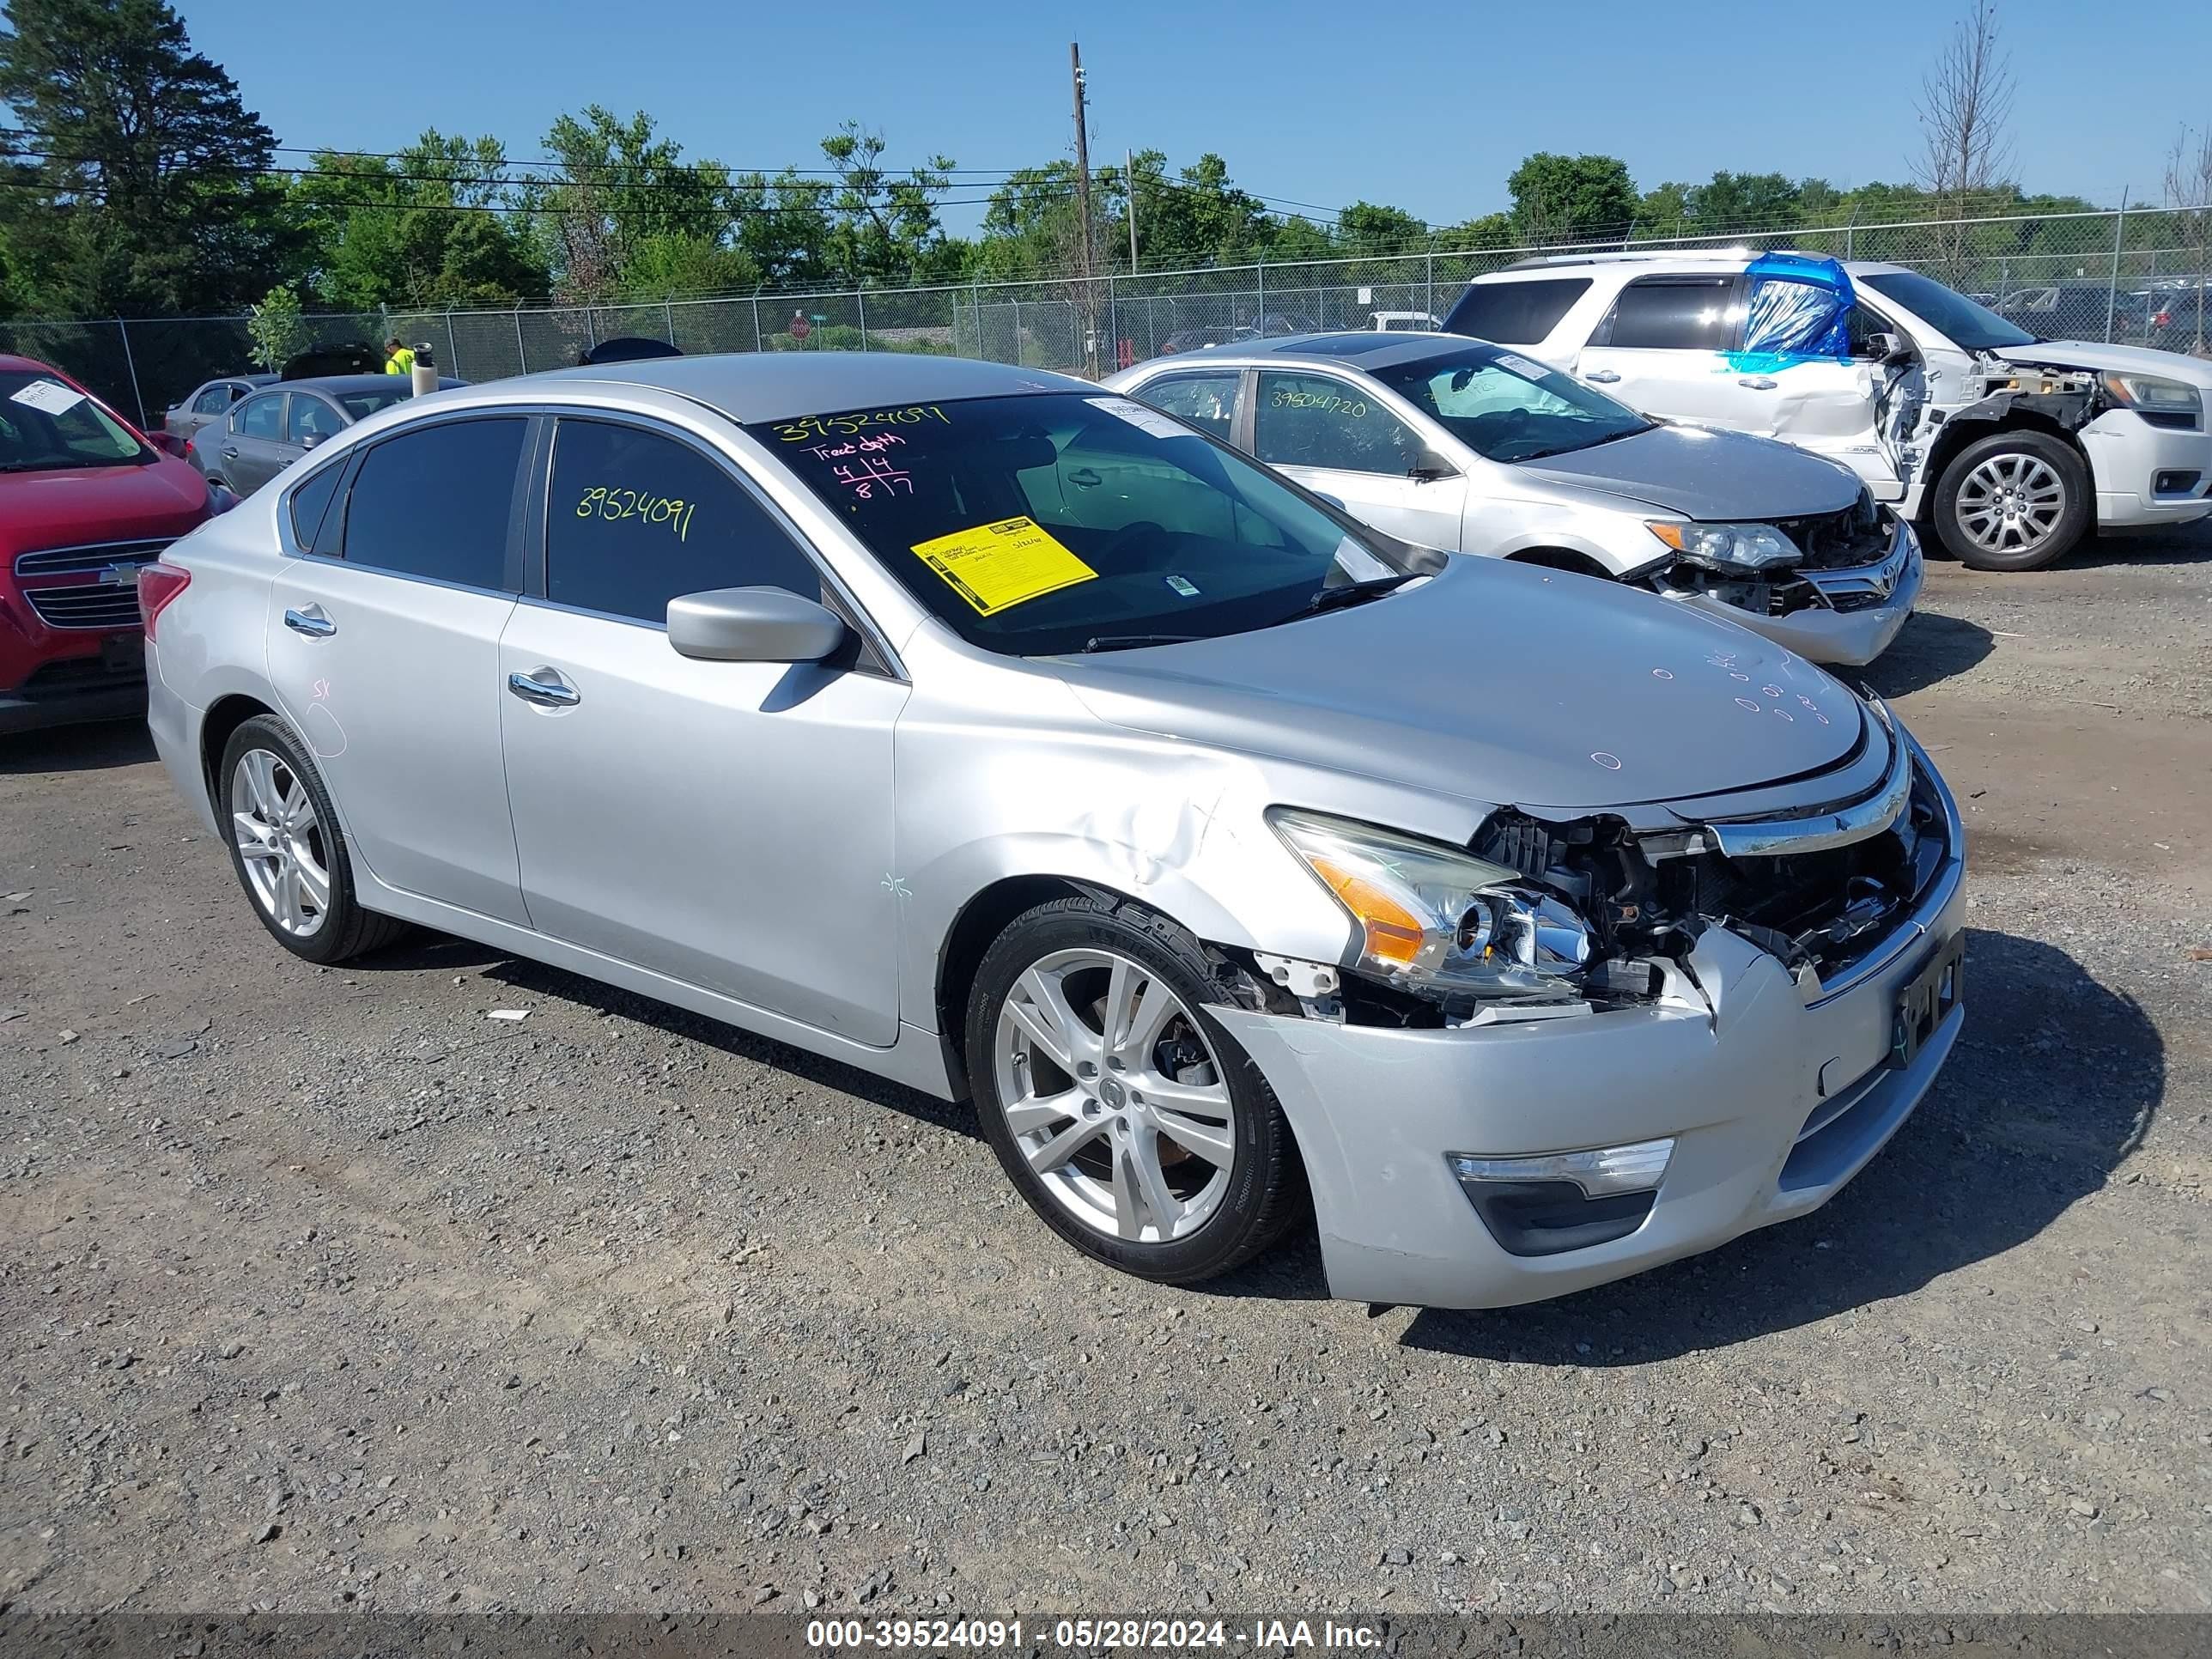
[1836, 825]
[91, 556]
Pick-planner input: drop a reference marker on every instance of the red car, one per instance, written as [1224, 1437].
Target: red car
[85, 500]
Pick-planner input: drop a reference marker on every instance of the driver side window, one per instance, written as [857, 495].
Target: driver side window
[1316, 421]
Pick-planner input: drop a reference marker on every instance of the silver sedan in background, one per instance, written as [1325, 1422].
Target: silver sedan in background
[1454, 443]
[1010, 738]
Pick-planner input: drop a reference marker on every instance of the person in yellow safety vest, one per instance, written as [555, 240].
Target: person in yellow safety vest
[397, 359]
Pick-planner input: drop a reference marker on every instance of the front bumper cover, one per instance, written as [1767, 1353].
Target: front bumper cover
[1756, 1068]
[1863, 608]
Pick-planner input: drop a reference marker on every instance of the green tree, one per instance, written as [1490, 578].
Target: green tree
[885, 228]
[1365, 228]
[619, 187]
[277, 328]
[147, 176]
[783, 227]
[1030, 225]
[1571, 198]
[432, 226]
[671, 266]
[1754, 200]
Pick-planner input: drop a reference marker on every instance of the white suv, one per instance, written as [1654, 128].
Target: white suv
[2008, 446]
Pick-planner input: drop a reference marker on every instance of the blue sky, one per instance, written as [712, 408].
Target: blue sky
[1314, 103]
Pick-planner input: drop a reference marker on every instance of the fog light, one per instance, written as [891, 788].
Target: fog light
[1556, 1201]
[2174, 483]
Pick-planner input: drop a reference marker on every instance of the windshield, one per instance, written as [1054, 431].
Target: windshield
[47, 425]
[1509, 408]
[1959, 320]
[1038, 525]
[362, 404]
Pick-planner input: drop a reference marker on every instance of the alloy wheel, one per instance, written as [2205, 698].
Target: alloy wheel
[2011, 503]
[281, 843]
[1114, 1096]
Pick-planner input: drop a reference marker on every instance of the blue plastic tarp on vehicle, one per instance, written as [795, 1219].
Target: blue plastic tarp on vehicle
[1800, 308]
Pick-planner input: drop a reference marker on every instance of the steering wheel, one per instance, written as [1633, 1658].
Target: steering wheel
[1127, 535]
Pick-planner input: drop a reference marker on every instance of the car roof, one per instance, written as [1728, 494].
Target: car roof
[343, 382]
[1367, 348]
[12, 364]
[768, 385]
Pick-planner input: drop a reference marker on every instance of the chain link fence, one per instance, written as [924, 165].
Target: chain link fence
[2139, 276]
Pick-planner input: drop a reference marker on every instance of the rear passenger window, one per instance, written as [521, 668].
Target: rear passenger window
[436, 502]
[1516, 313]
[310, 500]
[1316, 419]
[1208, 402]
[260, 417]
[1691, 313]
[635, 519]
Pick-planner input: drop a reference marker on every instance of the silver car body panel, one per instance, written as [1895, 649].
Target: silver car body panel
[1598, 502]
[790, 850]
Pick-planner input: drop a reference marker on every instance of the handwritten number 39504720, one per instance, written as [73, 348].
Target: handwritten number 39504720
[610, 503]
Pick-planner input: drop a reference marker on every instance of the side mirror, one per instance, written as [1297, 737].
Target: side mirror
[1887, 348]
[166, 442]
[752, 624]
[1429, 466]
[313, 439]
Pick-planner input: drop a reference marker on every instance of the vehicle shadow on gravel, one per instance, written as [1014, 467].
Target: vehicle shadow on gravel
[2189, 543]
[1931, 649]
[78, 748]
[538, 980]
[2055, 1081]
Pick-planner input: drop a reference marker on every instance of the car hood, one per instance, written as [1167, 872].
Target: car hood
[70, 506]
[2114, 359]
[1497, 683]
[1700, 472]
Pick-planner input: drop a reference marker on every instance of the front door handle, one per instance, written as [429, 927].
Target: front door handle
[1757, 382]
[545, 687]
[1602, 376]
[311, 621]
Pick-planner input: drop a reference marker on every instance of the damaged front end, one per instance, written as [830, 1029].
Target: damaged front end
[1572, 916]
[1843, 561]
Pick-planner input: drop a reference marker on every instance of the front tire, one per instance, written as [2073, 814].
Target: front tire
[285, 844]
[1133, 1123]
[2016, 501]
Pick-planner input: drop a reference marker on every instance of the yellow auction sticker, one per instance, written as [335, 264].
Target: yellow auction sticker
[997, 565]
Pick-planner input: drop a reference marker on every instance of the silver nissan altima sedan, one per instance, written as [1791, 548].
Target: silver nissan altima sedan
[1010, 738]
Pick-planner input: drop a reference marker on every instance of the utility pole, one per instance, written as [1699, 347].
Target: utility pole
[1083, 210]
[1129, 184]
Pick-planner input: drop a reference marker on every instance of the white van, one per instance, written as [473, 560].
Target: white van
[2008, 446]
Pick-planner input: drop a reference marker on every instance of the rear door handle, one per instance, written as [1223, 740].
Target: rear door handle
[1602, 376]
[229, 452]
[1757, 382]
[545, 687]
[311, 621]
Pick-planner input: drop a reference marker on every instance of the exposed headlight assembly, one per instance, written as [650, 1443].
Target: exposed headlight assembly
[2154, 396]
[1435, 919]
[1734, 547]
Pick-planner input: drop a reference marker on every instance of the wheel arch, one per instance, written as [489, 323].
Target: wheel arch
[981, 920]
[1956, 436]
[1570, 559]
[224, 716]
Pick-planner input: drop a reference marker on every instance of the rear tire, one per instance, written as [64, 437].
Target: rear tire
[2015, 500]
[287, 849]
[1151, 1143]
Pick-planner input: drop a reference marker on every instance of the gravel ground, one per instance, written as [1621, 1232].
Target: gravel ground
[321, 1289]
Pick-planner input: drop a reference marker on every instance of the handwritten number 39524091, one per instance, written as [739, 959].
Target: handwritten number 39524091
[610, 503]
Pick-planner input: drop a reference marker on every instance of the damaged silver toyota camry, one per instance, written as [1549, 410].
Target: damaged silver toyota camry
[1008, 739]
